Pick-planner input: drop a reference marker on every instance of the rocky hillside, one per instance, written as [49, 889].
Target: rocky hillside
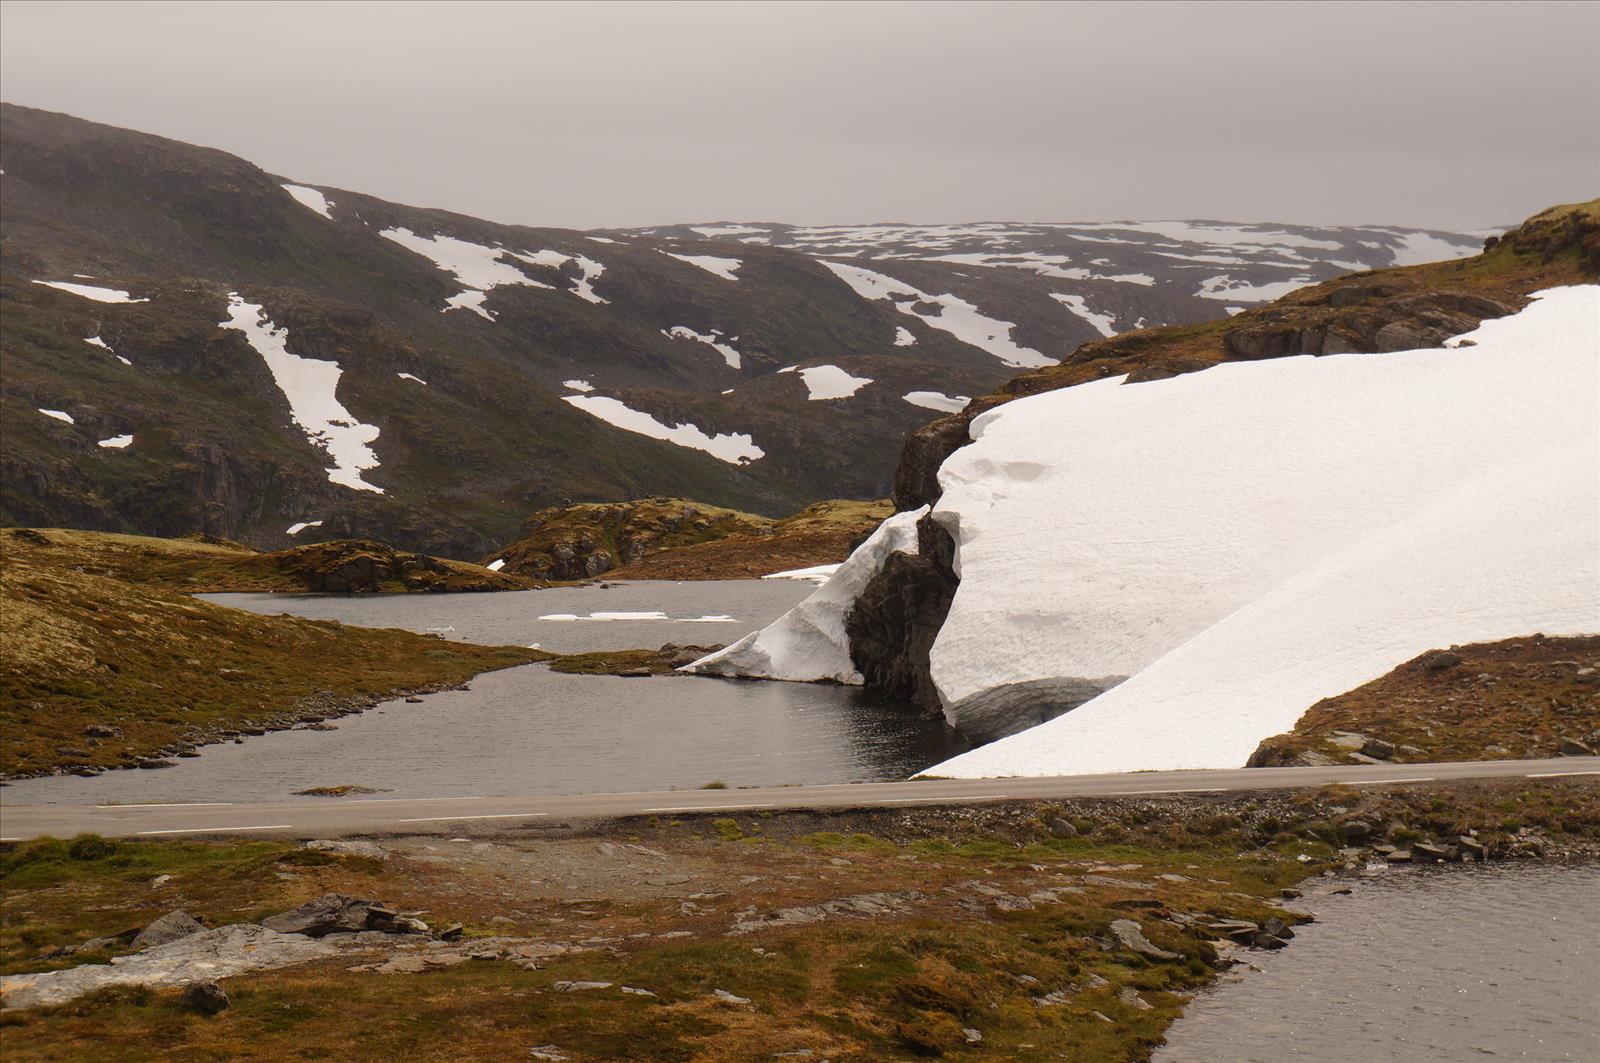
[675, 538]
[191, 344]
[1522, 698]
[201, 564]
[107, 672]
[898, 615]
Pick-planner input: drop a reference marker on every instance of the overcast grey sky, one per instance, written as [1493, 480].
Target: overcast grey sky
[1448, 115]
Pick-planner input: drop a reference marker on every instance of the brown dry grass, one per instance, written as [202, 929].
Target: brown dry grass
[1516, 698]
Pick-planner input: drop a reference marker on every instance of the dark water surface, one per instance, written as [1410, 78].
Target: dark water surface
[1490, 962]
[529, 730]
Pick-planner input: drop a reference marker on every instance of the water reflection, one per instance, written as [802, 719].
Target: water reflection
[529, 730]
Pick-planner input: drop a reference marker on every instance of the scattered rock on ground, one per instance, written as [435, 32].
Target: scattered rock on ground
[205, 997]
[169, 927]
[340, 847]
[1131, 937]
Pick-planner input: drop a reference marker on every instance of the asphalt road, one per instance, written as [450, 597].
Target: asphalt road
[324, 818]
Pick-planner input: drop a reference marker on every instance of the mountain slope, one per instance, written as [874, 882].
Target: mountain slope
[192, 344]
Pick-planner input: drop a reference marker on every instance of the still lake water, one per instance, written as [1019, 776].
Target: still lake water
[529, 730]
[1491, 962]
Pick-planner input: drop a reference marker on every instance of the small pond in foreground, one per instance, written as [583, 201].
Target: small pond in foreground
[529, 730]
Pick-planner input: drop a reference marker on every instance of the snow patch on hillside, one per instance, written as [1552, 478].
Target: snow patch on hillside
[1325, 520]
[809, 643]
[733, 448]
[937, 400]
[496, 565]
[831, 382]
[1225, 287]
[1191, 232]
[588, 270]
[58, 415]
[117, 442]
[578, 385]
[714, 340]
[311, 199]
[1105, 324]
[412, 377]
[296, 529]
[311, 386]
[713, 231]
[1417, 248]
[956, 316]
[903, 337]
[476, 267]
[721, 267]
[90, 291]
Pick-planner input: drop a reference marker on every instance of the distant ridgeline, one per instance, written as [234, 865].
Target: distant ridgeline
[193, 345]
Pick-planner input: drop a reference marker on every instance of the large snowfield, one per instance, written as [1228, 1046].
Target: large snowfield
[1244, 541]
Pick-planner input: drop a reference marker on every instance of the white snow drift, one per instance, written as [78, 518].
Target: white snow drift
[809, 643]
[479, 268]
[296, 529]
[937, 400]
[311, 386]
[117, 442]
[956, 316]
[722, 267]
[814, 574]
[58, 415]
[311, 199]
[90, 291]
[1246, 540]
[1105, 324]
[723, 345]
[733, 448]
[831, 382]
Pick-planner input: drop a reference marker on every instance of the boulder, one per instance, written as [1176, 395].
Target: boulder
[1129, 935]
[205, 997]
[329, 913]
[1377, 747]
[1440, 660]
[169, 927]
[102, 730]
[1571, 747]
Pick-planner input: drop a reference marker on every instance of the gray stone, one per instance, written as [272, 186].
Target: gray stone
[729, 998]
[578, 987]
[341, 847]
[1130, 936]
[102, 730]
[1061, 828]
[328, 913]
[211, 954]
[169, 927]
[1130, 996]
[1571, 747]
[205, 997]
[1377, 747]
[1440, 660]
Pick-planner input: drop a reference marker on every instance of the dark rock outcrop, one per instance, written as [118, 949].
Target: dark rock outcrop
[899, 614]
